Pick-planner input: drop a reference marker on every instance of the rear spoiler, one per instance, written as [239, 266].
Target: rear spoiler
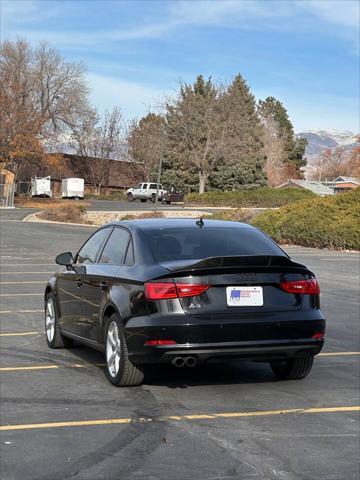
[237, 261]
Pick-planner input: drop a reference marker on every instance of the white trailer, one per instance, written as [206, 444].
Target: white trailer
[72, 188]
[41, 187]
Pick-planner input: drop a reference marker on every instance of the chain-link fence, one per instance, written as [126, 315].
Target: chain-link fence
[23, 188]
[6, 195]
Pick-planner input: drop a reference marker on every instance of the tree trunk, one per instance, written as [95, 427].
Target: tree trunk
[202, 182]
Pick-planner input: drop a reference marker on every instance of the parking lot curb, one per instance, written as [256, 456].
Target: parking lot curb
[33, 217]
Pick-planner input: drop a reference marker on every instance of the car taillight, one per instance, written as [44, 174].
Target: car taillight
[306, 287]
[155, 343]
[167, 290]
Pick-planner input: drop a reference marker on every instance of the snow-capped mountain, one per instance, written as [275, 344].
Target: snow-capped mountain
[319, 140]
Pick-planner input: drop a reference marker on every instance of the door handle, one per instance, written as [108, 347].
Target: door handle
[103, 286]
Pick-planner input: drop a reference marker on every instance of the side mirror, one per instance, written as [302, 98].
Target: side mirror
[65, 258]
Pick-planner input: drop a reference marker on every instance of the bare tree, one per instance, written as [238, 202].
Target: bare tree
[60, 93]
[41, 96]
[331, 163]
[99, 139]
[274, 152]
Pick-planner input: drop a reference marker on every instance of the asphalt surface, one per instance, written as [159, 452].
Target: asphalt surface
[230, 422]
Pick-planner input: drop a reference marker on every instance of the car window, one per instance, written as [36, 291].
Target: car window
[138, 186]
[89, 251]
[153, 186]
[145, 185]
[130, 259]
[198, 243]
[115, 248]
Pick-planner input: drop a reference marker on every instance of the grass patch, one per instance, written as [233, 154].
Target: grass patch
[331, 222]
[264, 197]
[71, 214]
[39, 202]
[116, 195]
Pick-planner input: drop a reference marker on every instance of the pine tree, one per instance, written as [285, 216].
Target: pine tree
[243, 161]
[195, 131]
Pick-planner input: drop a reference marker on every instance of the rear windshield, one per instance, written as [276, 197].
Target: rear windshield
[198, 243]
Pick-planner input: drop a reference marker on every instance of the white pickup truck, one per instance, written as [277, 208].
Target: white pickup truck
[144, 192]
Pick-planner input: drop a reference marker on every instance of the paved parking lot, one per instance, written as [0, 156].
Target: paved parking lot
[61, 419]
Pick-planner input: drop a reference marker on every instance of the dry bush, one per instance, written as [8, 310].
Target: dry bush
[143, 215]
[71, 214]
[38, 202]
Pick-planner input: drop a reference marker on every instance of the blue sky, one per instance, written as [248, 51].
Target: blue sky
[305, 53]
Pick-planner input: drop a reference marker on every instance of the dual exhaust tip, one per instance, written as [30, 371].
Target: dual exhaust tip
[184, 362]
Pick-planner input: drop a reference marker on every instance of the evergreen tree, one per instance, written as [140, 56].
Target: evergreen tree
[195, 131]
[273, 109]
[242, 163]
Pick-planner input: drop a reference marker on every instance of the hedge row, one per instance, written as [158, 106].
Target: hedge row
[259, 197]
[332, 222]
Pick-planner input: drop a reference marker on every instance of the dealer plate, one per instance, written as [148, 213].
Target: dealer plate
[244, 296]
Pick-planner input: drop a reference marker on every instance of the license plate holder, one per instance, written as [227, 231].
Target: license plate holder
[244, 296]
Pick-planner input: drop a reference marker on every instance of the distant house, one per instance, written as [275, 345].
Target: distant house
[344, 184]
[315, 187]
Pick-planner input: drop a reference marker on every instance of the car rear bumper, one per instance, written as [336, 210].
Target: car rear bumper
[260, 339]
[260, 353]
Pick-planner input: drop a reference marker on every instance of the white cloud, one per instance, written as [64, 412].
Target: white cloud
[344, 12]
[256, 14]
[134, 98]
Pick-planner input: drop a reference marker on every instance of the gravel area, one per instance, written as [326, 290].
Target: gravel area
[100, 218]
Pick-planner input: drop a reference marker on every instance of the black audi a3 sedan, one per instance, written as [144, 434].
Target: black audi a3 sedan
[184, 292]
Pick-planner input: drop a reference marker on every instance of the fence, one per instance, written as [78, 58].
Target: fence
[6, 195]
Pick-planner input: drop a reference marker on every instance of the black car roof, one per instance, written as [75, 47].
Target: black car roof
[144, 224]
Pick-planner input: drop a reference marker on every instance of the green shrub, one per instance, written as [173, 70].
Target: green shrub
[258, 197]
[332, 222]
[237, 215]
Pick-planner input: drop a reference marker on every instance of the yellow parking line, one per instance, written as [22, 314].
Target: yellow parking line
[117, 421]
[335, 354]
[21, 311]
[50, 367]
[20, 334]
[87, 365]
[20, 294]
[21, 283]
[34, 367]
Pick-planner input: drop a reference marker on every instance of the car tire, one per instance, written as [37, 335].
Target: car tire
[119, 369]
[294, 368]
[153, 198]
[143, 200]
[130, 197]
[53, 334]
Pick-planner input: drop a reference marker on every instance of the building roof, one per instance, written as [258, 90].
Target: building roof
[347, 180]
[315, 187]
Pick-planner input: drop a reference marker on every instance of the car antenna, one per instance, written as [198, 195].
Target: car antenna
[200, 223]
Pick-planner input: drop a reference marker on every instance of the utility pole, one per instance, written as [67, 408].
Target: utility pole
[159, 171]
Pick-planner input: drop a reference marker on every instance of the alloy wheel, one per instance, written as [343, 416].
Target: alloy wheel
[50, 320]
[113, 349]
